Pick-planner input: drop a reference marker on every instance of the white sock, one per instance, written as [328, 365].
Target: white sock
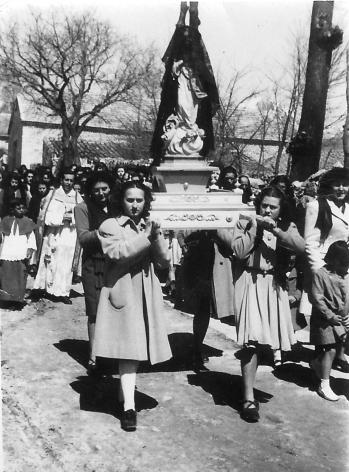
[325, 383]
[127, 370]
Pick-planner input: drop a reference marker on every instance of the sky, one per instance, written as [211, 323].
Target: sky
[241, 34]
[245, 35]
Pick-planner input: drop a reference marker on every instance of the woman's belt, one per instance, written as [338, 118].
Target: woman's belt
[264, 272]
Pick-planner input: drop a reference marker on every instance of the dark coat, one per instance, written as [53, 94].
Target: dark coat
[93, 259]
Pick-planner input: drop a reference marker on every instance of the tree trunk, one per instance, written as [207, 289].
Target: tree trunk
[69, 146]
[305, 147]
[346, 125]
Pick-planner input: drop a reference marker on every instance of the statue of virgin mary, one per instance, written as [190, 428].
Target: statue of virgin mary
[189, 97]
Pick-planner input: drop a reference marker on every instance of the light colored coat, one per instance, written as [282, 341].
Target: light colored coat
[223, 284]
[260, 302]
[314, 248]
[130, 321]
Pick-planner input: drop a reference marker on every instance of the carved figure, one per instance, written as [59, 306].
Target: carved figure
[189, 96]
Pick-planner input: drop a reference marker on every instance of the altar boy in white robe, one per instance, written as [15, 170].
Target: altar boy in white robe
[59, 239]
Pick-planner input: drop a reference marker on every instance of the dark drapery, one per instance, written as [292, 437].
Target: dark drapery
[186, 44]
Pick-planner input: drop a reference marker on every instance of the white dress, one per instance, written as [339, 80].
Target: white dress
[57, 253]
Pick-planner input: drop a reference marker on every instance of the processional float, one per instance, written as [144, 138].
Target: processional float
[183, 137]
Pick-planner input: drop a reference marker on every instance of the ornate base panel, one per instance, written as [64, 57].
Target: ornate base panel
[199, 211]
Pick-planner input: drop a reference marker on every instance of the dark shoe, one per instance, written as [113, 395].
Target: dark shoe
[36, 295]
[129, 420]
[341, 365]
[199, 362]
[66, 300]
[92, 369]
[250, 412]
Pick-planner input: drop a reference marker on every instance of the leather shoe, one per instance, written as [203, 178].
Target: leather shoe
[129, 420]
[249, 411]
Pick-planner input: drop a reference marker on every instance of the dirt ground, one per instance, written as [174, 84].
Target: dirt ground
[56, 418]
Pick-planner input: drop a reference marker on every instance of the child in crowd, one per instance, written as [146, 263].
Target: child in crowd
[329, 321]
[17, 245]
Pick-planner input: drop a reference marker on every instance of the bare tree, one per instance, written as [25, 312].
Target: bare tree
[72, 66]
[305, 147]
[230, 116]
[265, 110]
[346, 125]
[287, 97]
[140, 122]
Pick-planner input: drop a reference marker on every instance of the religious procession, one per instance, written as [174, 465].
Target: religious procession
[256, 258]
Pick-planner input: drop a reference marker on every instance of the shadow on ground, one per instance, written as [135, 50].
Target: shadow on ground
[100, 396]
[226, 389]
[75, 294]
[181, 346]
[305, 377]
[295, 373]
[78, 349]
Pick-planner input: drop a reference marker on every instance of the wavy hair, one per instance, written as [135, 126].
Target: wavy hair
[285, 215]
[97, 177]
[116, 201]
[324, 219]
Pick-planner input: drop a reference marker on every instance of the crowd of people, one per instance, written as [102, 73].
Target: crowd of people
[272, 272]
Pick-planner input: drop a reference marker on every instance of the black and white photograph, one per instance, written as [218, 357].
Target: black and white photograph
[174, 235]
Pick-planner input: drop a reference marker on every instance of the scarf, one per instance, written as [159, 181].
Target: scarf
[25, 225]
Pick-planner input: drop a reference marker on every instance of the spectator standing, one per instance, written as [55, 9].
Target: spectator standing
[89, 215]
[227, 179]
[329, 319]
[17, 245]
[12, 189]
[39, 191]
[327, 221]
[59, 240]
[245, 186]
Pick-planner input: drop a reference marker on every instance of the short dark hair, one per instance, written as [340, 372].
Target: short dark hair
[16, 201]
[336, 174]
[98, 176]
[118, 194]
[337, 251]
[66, 171]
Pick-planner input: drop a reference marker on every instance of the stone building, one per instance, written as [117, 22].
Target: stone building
[33, 132]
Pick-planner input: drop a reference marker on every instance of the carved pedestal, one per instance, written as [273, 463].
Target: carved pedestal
[199, 211]
[184, 174]
[187, 204]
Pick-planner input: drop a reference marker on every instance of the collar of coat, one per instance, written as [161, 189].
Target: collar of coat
[70, 197]
[337, 211]
[123, 220]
